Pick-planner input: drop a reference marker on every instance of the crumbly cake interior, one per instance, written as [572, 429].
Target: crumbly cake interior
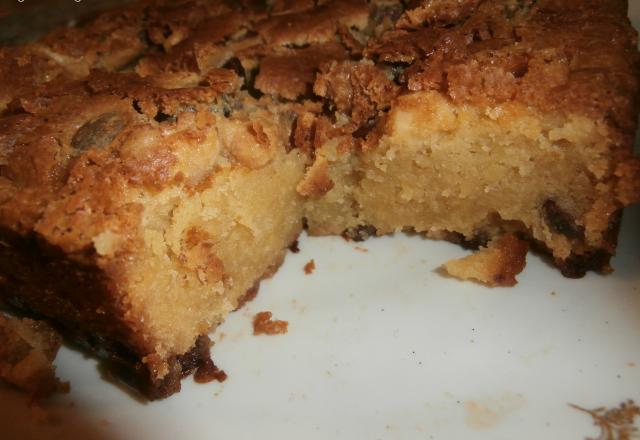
[442, 168]
[157, 162]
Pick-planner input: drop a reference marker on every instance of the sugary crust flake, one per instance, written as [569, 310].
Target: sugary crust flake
[264, 325]
[495, 265]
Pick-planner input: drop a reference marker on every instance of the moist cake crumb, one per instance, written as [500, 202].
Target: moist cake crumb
[309, 267]
[264, 325]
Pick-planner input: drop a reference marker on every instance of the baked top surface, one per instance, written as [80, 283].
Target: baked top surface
[152, 61]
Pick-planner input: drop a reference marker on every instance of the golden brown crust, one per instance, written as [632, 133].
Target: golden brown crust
[291, 73]
[317, 181]
[317, 25]
[111, 42]
[170, 23]
[439, 12]
[198, 49]
[359, 90]
[575, 56]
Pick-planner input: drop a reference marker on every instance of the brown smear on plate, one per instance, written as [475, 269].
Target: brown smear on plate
[614, 423]
[488, 413]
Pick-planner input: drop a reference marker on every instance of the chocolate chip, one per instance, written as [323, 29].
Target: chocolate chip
[560, 221]
[292, 135]
[480, 239]
[293, 247]
[235, 65]
[362, 131]
[98, 133]
[163, 117]
[520, 69]
[611, 233]
[577, 265]
[360, 232]
[250, 83]
[196, 357]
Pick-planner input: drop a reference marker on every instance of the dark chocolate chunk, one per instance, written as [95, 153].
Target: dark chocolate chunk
[163, 117]
[360, 232]
[293, 247]
[560, 221]
[235, 65]
[480, 239]
[363, 130]
[577, 265]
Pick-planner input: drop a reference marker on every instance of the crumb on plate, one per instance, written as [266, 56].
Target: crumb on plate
[264, 325]
[309, 267]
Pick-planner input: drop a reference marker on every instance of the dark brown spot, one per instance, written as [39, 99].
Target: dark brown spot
[480, 239]
[577, 265]
[98, 133]
[520, 69]
[362, 131]
[397, 71]
[560, 221]
[235, 65]
[163, 117]
[292, 135]
[293, 247]
[611, 234]
[196, 357]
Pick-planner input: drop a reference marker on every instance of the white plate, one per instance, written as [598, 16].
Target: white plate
[381, 346]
